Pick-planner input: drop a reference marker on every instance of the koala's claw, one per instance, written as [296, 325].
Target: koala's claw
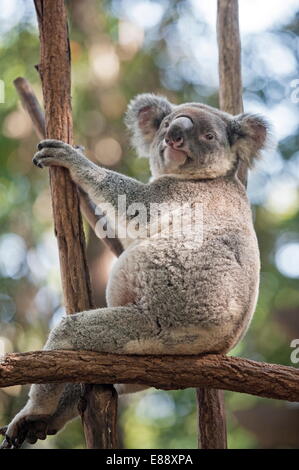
[53, 143]
[8, 442]
[55, 152]
[37, 163]
[3, 430]
[29, 428]
[49, 156]
[79, 147]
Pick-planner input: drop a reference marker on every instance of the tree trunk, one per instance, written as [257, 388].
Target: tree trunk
[54, 70]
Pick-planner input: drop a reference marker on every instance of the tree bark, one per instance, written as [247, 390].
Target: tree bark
[212, 423]
[105, 403]
[230, 70]
[229, 47]
[210, 371]
[54, 70]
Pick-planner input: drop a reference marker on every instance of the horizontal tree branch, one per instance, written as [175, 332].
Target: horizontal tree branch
[164, 372]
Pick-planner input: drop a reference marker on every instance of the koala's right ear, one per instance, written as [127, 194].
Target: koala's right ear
[143, 118]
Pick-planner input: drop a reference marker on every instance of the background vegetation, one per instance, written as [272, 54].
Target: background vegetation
[121, 48]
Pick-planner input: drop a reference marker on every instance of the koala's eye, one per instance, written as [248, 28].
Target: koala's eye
[166, 124]
[209, 136]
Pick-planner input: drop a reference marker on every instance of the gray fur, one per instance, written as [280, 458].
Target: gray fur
[168, 293]
[157, 107]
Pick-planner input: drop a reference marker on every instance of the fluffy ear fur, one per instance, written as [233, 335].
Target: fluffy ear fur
[144, 115]
[249, 134]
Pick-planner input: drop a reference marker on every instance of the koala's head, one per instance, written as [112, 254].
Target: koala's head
[193, 140]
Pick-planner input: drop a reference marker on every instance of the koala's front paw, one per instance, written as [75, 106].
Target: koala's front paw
[55, 152]
[25, 427]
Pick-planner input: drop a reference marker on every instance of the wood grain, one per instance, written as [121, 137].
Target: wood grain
[210, 371]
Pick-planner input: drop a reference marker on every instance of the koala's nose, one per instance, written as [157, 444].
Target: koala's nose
[176, 133]
[174, 137]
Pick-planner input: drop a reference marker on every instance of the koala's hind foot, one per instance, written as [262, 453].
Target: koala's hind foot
[105, 330]
[29, 426]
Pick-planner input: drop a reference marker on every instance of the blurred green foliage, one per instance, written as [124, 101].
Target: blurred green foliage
[121, 48]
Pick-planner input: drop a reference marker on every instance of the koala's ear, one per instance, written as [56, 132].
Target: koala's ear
[249, 134]
[143, 118]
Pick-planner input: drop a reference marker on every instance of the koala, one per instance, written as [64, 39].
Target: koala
[188, 291]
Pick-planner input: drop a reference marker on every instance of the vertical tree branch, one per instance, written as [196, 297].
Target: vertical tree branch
[54, 69]
[99, 409]
[211, 412]
[229, 47]
[230, 72]
[212, 423]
